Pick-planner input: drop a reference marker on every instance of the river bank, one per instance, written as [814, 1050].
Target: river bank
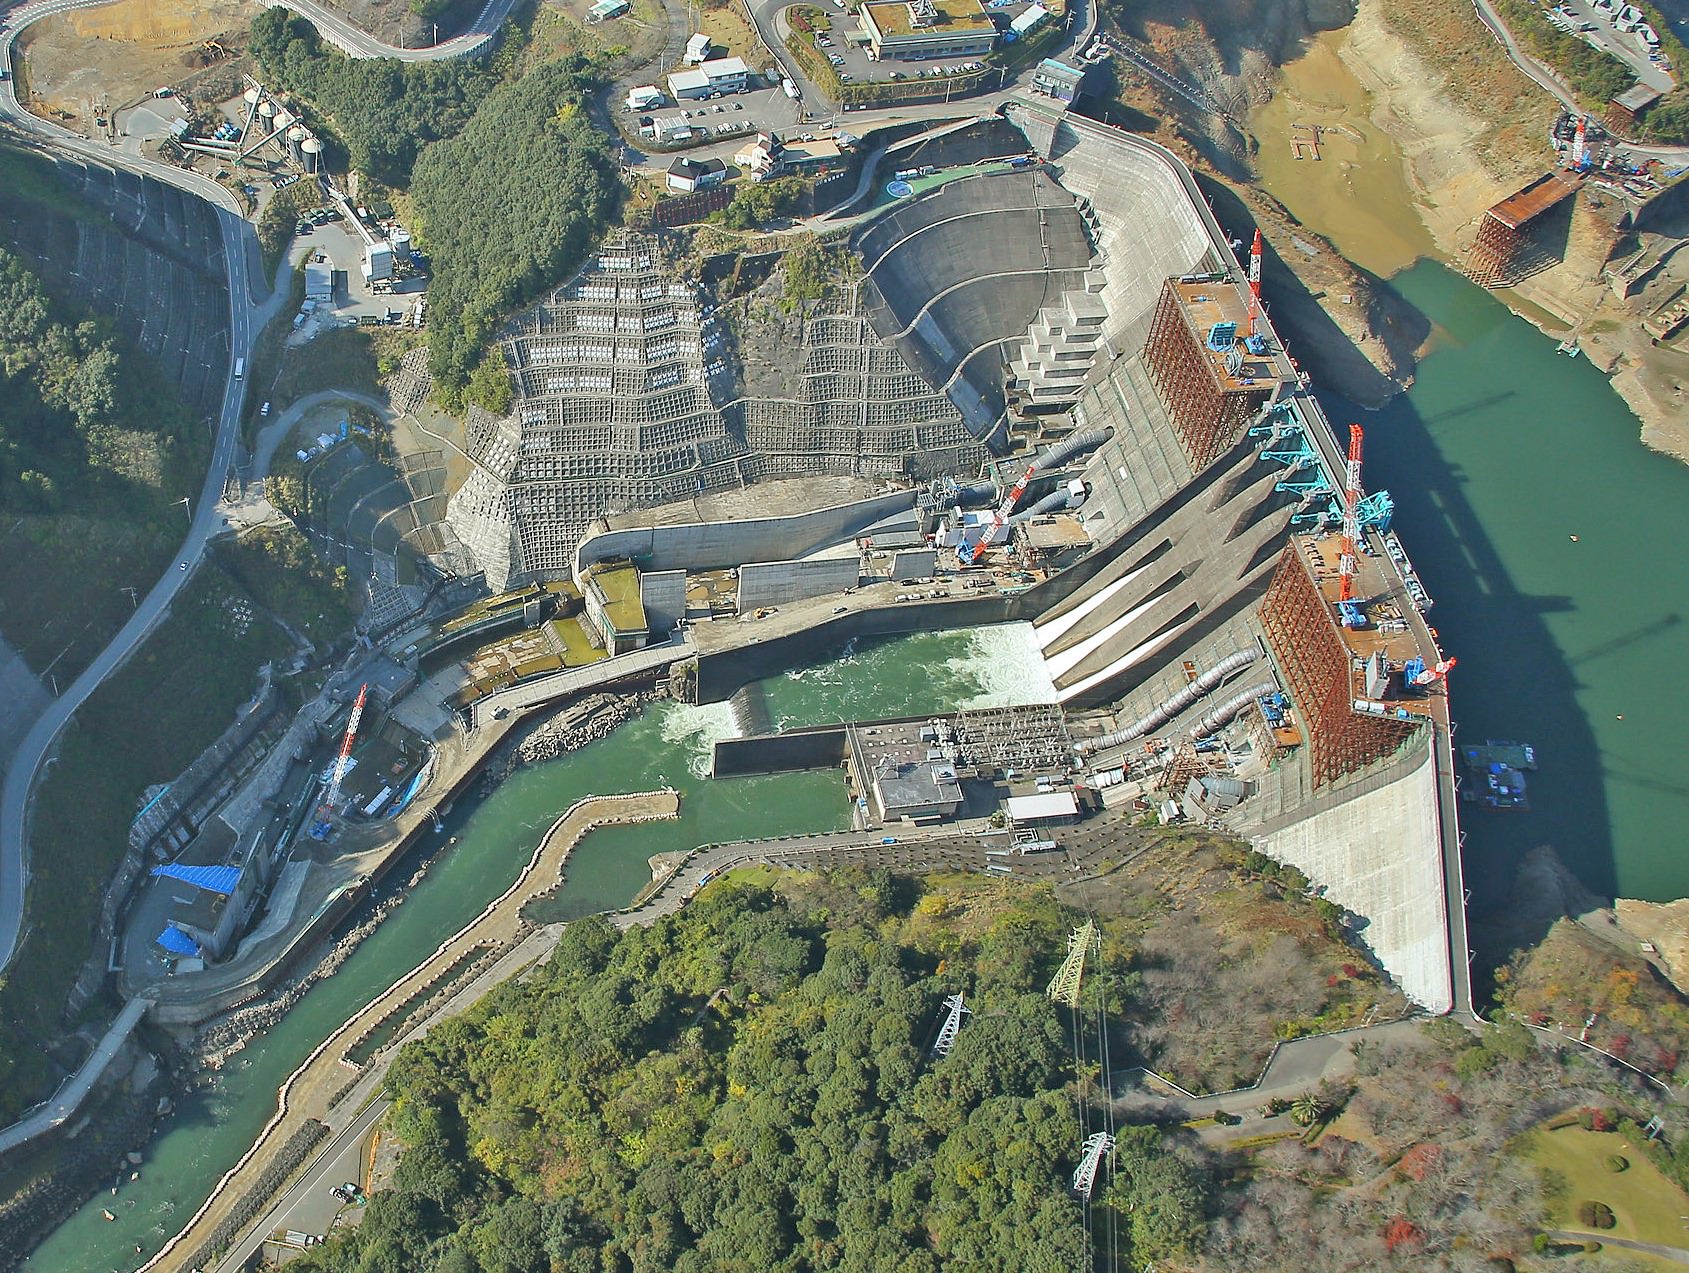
[1421, 124]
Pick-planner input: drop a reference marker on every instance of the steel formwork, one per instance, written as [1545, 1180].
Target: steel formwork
[1207, 416]
[1316, 664]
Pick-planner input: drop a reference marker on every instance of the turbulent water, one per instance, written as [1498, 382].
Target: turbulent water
[668, 745]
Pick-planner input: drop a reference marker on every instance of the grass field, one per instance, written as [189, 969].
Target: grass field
[1646, 1206]
[143, 726]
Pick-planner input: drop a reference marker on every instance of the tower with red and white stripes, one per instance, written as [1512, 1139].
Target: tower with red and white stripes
[1254, 284]
[1351, 514]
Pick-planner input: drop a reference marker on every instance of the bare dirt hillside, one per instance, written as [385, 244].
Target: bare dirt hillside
[82, 65]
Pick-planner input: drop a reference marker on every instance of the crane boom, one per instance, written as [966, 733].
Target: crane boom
[1254, 284]
[344, 760]
[1351, 513]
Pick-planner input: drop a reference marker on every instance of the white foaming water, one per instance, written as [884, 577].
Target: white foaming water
[693, 731]
[1006, 663]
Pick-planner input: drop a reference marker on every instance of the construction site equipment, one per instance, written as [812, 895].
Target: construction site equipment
[1351, 514]
[325, 812]
[1054, 458]
[1231, 707]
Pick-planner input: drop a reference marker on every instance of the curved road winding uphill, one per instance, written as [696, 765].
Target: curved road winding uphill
[350, 39]
[244, 321]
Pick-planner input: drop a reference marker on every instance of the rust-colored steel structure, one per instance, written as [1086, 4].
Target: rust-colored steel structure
[1317, 665]
[1208, 405]
[1503, 253]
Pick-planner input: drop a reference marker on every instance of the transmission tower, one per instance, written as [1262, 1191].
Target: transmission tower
[1097, 1144]
[952, 1026]
[1064, 986]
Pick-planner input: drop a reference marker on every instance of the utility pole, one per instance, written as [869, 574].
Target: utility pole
[133, 601]
[188, 508]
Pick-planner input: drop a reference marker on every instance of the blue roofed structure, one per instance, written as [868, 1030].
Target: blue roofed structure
[216, 879]
[177, 942]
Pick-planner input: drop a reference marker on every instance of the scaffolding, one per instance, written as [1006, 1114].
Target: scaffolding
[1210, 392]
[1505, 252]
[1317, 667]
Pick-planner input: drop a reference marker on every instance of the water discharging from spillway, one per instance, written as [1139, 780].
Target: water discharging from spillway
[669, 745]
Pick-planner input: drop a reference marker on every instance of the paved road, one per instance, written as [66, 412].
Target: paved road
[327, 1169]
[205, 520]
[1676, 1254]
[359, 43]
[1551, 83]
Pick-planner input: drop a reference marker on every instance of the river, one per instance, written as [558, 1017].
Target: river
[1547, 534]
[668, 745]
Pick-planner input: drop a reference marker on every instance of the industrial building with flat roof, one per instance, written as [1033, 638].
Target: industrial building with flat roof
[712, 78]
[903, 30]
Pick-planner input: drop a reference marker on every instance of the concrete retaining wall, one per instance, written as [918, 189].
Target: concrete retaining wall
[717, 545]
[663, 594]
[1380, 855]
[773, 583]
[783, 753]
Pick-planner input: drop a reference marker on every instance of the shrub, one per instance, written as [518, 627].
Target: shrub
[1597, 1215]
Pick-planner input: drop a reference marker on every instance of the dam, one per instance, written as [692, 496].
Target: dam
[1058, 402]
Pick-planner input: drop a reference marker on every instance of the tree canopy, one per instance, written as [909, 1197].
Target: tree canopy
[383, 109]
[77, 419]
[747, 1086]
[507, 207]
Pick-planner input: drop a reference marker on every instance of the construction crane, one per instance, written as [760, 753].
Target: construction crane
[322, 826]
[1580, 151]
[1254, 286]
[1000, 518]
[1351, 515]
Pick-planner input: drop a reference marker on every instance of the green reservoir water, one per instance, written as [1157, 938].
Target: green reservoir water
[1502, 452]
[668, 745]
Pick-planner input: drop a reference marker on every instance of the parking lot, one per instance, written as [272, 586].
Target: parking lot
[845, 45]
[1596, 22]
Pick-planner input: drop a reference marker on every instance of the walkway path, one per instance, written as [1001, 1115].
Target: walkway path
[312, 1090]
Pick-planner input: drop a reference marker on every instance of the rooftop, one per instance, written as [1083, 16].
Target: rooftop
[1534, 200]
[951, 18]
[1394, 628]
[1045, 804]
[617, 586]
[1211, 303]
[1637, 97]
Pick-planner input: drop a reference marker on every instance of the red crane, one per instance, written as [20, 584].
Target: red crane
[1254, 283]
[1351, 514]
[322, 826]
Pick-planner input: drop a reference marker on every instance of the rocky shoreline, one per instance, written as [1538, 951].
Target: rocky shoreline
[568, 728]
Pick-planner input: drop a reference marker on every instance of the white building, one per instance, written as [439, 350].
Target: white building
[645, 97]
[697, 50]
[712, 79]
[687, 175]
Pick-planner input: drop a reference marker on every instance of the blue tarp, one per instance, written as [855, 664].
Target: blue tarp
[177, 942]
[218, 879]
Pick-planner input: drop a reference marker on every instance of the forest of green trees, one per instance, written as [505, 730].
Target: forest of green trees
[512, 183]
[383, 109]
[507, 207]
[79, 422]
[748, 1086]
